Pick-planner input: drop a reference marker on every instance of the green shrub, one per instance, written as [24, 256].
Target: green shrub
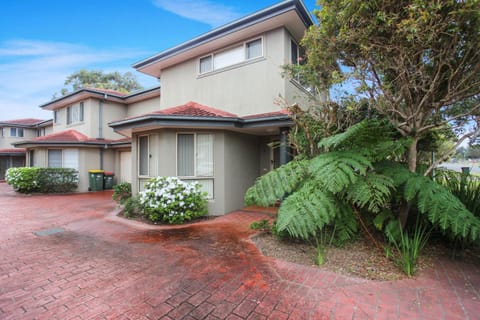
[263, 225]
[172, 200]
[42, 180]
[122, 192]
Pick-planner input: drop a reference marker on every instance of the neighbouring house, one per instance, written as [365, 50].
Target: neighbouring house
[81, 138]
[218, 112]
[14, 131]
[213, 122]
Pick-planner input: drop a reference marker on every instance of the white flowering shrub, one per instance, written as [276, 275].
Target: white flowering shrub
[172, 200]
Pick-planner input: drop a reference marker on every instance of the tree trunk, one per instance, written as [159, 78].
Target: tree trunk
[412, 166]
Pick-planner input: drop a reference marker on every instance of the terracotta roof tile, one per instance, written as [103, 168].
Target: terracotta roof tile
[73, 136]
[24, 122]
[108, 91]
[63, 136]
[193, 109]
[12, 150]
[282, 112]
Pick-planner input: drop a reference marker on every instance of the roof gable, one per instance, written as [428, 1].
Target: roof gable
[193, 109]
[22, 122]
[291, 14]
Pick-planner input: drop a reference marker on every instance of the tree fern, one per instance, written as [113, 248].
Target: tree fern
[277, 184]
[306, 211]
[440, 206]
[372, 192]
[337, 170]
[346, 226]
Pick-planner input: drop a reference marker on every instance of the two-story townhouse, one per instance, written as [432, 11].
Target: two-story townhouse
[217, 112]
[81, 138]
[13, 131]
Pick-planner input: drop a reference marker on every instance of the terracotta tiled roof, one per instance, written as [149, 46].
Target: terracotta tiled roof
[282, 112]
[12, 150]
[72, 136]
[63, 136]
[108, 91]
[23, 122]
[193, 109]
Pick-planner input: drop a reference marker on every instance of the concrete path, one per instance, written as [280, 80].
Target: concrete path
[70, 257]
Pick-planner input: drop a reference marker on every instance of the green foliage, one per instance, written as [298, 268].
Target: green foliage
[23, 180]
[307, 210]
[416, 62]
[122, 192]
[409, 248]
[465, 187]
[274, 185]
[124, 83]
[434, 201]
[325, 191]
[371, 193]
[42, 180]
[171, 200]
[263, 225]
[132, 207]
[339, 169]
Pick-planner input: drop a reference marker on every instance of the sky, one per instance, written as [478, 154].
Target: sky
[43, 42]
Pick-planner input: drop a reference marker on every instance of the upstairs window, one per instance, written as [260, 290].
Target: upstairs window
[55, 116]
[16, 132]
[297, 55]
[75, 113]
[229, 57]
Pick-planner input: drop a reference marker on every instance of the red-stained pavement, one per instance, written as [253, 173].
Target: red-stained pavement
[70, 257]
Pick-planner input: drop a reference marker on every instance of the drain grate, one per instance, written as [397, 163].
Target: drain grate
[47, 232]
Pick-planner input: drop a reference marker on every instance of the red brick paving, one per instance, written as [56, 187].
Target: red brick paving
[103, 267]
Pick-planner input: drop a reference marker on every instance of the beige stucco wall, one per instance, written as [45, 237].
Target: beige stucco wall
[6, 140]
[247, 88]
[241, 168]
[88, 158]
[143, 107]
[236, 164]
[91, 123]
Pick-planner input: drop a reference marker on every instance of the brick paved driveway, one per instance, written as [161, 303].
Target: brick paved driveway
[69, 257]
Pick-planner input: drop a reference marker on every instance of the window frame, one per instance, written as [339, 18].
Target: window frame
[56, 116]
[139, 173]
[78, 111]
[196, 177]
[62, 157]
[17, 132]
[245, 59]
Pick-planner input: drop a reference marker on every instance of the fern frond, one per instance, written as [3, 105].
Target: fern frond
[346, 226]
[337, 170]
[372, 192]
[306, 211]
[374, 139]
[440, 206]
[277, 184]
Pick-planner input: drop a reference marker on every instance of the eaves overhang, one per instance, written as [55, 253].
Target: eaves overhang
[174, 121]
[92, 144]
[256, 21]
[86, 93]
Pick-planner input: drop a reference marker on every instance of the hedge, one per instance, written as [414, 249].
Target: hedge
[42, 180]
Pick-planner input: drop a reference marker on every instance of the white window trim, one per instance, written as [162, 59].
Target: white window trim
[243, 62]
[81, 114]
[16, 135]
[63, 157]
[148, 156]
[195, 177]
